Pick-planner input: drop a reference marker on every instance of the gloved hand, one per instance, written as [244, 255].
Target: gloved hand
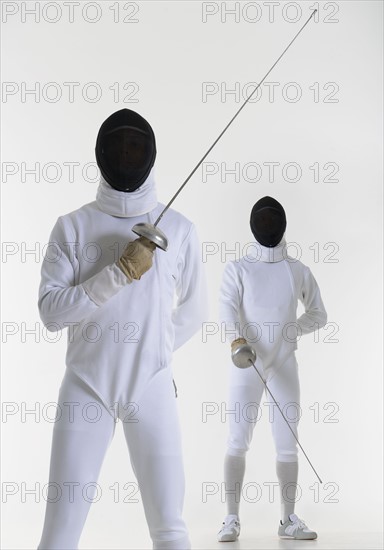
[237, 343]
[136, 258]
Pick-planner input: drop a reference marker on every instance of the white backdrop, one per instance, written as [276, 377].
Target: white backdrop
[312, 139]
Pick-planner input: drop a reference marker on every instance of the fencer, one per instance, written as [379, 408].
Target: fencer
[126, 309]
[259, 297]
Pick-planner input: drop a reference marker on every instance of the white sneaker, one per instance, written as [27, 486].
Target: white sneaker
[230, 530]
[295, 528]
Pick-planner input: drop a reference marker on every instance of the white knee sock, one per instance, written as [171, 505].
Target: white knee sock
[287, 473]
[234, 469]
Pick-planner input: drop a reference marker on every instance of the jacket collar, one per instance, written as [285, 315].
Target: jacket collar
[127, 205]
[262, 253]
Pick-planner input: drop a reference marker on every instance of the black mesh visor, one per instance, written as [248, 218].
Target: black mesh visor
[125, 155]
[268, 222]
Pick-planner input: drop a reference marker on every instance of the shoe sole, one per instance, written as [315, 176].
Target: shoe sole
[296, 538]
[228, 538]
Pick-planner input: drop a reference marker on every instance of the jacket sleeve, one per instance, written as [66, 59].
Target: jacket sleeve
[230, 301]
[191, 307]
[315, 315]
[61, 301]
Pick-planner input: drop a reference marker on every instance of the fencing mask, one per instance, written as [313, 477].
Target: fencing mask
[268, 222]
[125, 150]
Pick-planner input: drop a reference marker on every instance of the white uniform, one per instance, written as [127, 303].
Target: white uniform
[120, 343]
[258, 301]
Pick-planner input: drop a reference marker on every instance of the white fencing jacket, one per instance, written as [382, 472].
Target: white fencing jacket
[258, 301]
[119, 334]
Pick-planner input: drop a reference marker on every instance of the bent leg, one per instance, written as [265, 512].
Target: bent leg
[81, 436]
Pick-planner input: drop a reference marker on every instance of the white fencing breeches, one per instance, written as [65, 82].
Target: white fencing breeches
[245, 395]
[79, 444]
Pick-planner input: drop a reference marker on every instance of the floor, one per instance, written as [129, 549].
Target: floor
[332, 541]
[205, 541]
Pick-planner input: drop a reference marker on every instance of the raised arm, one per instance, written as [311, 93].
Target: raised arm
[63, 301]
